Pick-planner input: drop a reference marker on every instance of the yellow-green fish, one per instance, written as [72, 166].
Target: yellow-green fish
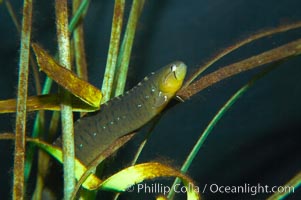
[126, 113]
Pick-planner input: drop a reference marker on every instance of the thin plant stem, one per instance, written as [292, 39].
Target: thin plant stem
[43, 162]
[276, 54]
[126, 47]
[147, 136]
[141, 147]
[43, 158]
[212, 124]
[78, 38]
[33, 64]
[66, 107]
[240, 44]
[102, 156]
[19, 155]
[108, 79]
[12, 14]
[38, 128]
[39, 120]
[78, 11]
[78, 8]
[289, 188]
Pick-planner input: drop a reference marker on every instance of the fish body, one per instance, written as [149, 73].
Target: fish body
[124, 114]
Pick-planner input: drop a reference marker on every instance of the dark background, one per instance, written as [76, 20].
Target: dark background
[257, 141]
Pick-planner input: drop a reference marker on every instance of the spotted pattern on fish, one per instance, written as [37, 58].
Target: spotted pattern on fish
[126, 113]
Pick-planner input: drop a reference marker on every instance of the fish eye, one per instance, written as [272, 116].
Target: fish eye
[173, 69]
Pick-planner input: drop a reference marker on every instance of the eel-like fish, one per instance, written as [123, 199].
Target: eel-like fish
[124, 114]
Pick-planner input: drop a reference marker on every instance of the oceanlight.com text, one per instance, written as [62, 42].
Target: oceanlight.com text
[247, 189]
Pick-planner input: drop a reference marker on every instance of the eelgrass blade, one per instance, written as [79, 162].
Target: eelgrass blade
[78, 7]
[47, 85]
[126, 47]
[213, 122]
[250, 39]
[44, 159]
[61, 11]
[289, 188]
[33, 65]
[39, 122]
[38, 128]
[45, 102]
[13, 15]
[287, 50]
[67, 79]
[126, 179]
[101, 157]
[108, 79]
[141, 147]
[123, 179]
[19, 154]
[78, 14]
